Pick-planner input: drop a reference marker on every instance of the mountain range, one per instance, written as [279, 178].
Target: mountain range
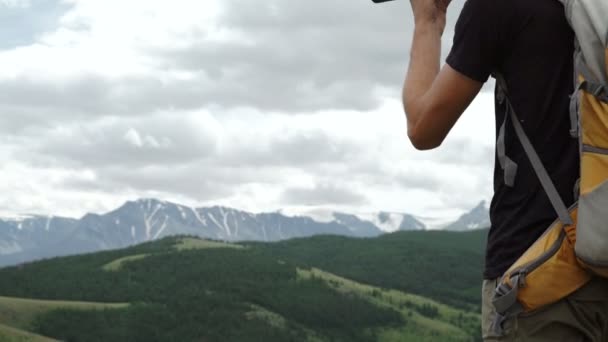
[36, 237]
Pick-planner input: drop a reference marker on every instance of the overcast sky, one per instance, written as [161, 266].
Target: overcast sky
[257, 105]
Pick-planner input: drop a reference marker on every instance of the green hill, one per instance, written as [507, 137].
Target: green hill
[414, 286]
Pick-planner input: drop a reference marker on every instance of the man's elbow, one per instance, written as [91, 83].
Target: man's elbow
[420, 137]
[422, 141]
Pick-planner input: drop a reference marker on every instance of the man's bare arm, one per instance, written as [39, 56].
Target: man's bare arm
[433, 99]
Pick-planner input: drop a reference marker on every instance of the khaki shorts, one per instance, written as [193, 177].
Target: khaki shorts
[582, 316]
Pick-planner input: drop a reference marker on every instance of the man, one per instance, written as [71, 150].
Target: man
[530, 43]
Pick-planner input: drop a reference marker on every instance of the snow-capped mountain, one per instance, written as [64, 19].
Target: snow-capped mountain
[36, 237]
[149, 219]
[477, 218]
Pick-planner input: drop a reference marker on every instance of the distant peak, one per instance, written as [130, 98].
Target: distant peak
[476, 218]
[481, 207]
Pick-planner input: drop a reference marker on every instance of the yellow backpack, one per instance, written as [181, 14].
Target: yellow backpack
[575, 247]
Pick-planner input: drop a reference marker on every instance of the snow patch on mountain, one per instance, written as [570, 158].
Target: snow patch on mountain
[48, 223]
[182, 211]
[435, 223]
[384, 222]
[198, 216]
[322, 215]
[162, 228]
[387, 222]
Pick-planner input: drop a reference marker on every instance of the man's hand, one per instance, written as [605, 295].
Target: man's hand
[430, 12]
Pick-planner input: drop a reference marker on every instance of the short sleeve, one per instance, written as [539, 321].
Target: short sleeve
[477, 40]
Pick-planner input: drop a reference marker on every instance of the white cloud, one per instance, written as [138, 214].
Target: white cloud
[133, 137]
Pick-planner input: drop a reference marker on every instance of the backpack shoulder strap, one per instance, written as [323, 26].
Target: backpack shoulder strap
[508, 166]
[539, 169]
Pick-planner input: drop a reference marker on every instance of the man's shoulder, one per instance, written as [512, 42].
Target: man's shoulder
[514, 8]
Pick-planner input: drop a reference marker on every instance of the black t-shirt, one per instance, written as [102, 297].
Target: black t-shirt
[531, 44]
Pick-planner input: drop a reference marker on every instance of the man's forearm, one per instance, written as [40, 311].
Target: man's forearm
[433, 97]
[424, 67]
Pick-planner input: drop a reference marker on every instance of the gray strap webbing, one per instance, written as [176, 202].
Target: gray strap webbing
[506, 305]
[593, 149]
[574, 103]
[590, 85]
[497, 327]
[574, 128]
[541, 172]
[506, 296]
[598, 90]
[507, 164]
[582, 68]
[577, 190]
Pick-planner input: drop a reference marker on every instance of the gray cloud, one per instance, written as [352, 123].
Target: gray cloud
[178, 155]
[465, 153]
[89, 94]
[418, 179]
[93, 96]
[172, 138]
[301, 57]
[300, 149]
[160, 139]
[322, 194]
[194, 181]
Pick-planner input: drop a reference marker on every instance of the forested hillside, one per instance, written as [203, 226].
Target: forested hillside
[445, 266]
[407, 286]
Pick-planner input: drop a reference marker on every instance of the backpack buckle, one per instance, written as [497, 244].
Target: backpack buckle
[596, 89]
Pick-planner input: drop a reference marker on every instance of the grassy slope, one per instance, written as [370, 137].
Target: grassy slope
[192, 243]
[117, 264]
[20, 313]
[449, 324]
[182, 244]
[10, 334]
[17, 316]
